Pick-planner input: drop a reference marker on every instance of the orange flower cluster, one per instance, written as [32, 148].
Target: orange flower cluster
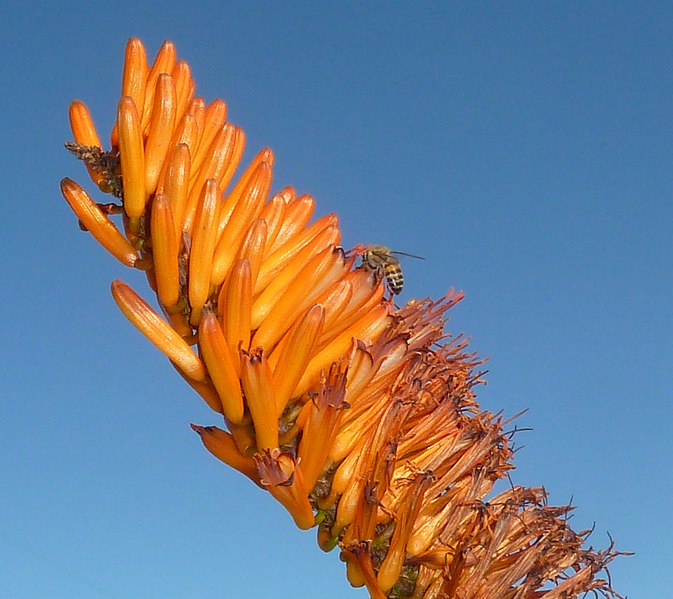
[358, 417]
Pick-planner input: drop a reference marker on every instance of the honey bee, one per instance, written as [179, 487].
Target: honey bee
[383, 262]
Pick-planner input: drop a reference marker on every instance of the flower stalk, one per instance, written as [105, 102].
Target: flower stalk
[359, 417]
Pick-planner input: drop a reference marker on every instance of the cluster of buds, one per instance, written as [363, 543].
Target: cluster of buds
[358, 417]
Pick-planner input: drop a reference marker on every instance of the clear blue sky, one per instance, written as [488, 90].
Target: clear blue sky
[526, 150]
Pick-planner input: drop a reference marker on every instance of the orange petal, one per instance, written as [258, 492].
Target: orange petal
[157, 330]
[134, 79]
[176, 185]
[279, 474]
[84, 132]
[300, 292]
[165, 251]
[197, 109]
[98, 223]
[205, 389]
[220, 367]
[184, 87]
[185, 133]
[222, 445]
[219, 154]
[287, 252]
[353, 491]
[335, 299]
[288, 272]
[218, 158]
[180, 323]
[252, 248]
[163, 63]
[132, 158]
[214, 117]
[233, 158]
[242, 187]
[161, 127]
[297, 215]
[259, 392]
[203, 245]
[391, 567]
[273, 215]
[364, 299]
[81, 123]
[246, 210]
[235, 302]
[327, 407]
[369, 326]
[296, 355]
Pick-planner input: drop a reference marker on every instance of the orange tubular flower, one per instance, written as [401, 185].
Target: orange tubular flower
[358, 417]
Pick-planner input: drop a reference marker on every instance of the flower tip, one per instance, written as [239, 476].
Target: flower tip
[168, 45]
[266, 155]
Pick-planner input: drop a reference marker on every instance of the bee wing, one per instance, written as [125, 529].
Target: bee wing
[408, 255]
